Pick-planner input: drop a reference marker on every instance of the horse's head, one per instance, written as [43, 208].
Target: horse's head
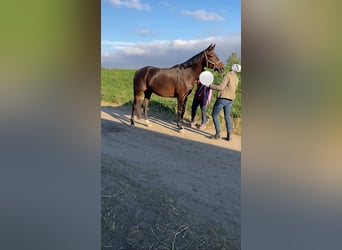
[212, 60]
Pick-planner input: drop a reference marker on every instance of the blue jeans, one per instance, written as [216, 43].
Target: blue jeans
[194, 106]
[226, 105]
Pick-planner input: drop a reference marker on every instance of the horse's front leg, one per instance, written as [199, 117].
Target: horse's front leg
[183, 108]
[180, 113]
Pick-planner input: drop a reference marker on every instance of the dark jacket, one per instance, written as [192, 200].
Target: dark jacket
[203, 94]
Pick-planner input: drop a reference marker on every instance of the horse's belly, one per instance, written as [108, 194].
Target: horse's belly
[163, 89]
[163, 83]
[165, 92]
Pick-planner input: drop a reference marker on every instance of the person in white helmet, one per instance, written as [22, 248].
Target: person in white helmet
[225, 98]
[202, 98]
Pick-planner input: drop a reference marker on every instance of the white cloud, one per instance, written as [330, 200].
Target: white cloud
[203, 15]
[135, 4]
[143, 32]
[114, 45]
[164, 53]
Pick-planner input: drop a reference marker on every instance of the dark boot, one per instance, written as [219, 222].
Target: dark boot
[228, 138]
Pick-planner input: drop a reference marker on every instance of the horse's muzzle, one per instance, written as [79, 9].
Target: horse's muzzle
[220, 70]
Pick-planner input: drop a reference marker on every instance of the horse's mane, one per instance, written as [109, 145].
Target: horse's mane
[174, 66]
[193, 60]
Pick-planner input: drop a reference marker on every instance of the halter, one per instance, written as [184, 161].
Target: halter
[209, 61]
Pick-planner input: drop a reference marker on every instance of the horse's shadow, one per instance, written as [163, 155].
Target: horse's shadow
[166, 117]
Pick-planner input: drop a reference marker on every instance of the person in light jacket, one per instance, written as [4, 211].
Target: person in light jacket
[225, 97]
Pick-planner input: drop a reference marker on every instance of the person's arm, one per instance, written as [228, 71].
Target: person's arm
[222, 85]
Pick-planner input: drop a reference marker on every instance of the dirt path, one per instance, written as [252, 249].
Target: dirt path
[162, 189]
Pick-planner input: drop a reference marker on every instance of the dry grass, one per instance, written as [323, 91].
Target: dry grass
[135, 216]
[156, 224]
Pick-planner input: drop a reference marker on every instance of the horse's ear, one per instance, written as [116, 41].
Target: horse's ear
[211, 47]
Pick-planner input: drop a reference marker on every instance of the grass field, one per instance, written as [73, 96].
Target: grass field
[117, 89]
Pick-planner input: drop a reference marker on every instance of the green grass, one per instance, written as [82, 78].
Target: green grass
[117, 89]
[116, 85]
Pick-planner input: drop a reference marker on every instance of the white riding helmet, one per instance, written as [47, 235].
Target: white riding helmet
[236, 67]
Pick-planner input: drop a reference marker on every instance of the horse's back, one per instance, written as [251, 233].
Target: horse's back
[168, 82]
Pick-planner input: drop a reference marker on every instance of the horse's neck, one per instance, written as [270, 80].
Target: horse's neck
[191, 74]
[201, 65]
[196, 71]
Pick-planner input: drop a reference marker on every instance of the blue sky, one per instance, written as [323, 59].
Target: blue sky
[136, 33]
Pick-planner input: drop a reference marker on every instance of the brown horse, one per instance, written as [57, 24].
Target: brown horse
[177, 81]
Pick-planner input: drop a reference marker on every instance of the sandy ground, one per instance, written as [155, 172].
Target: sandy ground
[162, 189]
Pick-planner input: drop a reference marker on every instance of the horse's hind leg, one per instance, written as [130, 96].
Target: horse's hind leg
[145, 103]
[145, 107]
[132, 116]
[135, 107]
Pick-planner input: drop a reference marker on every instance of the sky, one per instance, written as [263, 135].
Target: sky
[137, 33]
